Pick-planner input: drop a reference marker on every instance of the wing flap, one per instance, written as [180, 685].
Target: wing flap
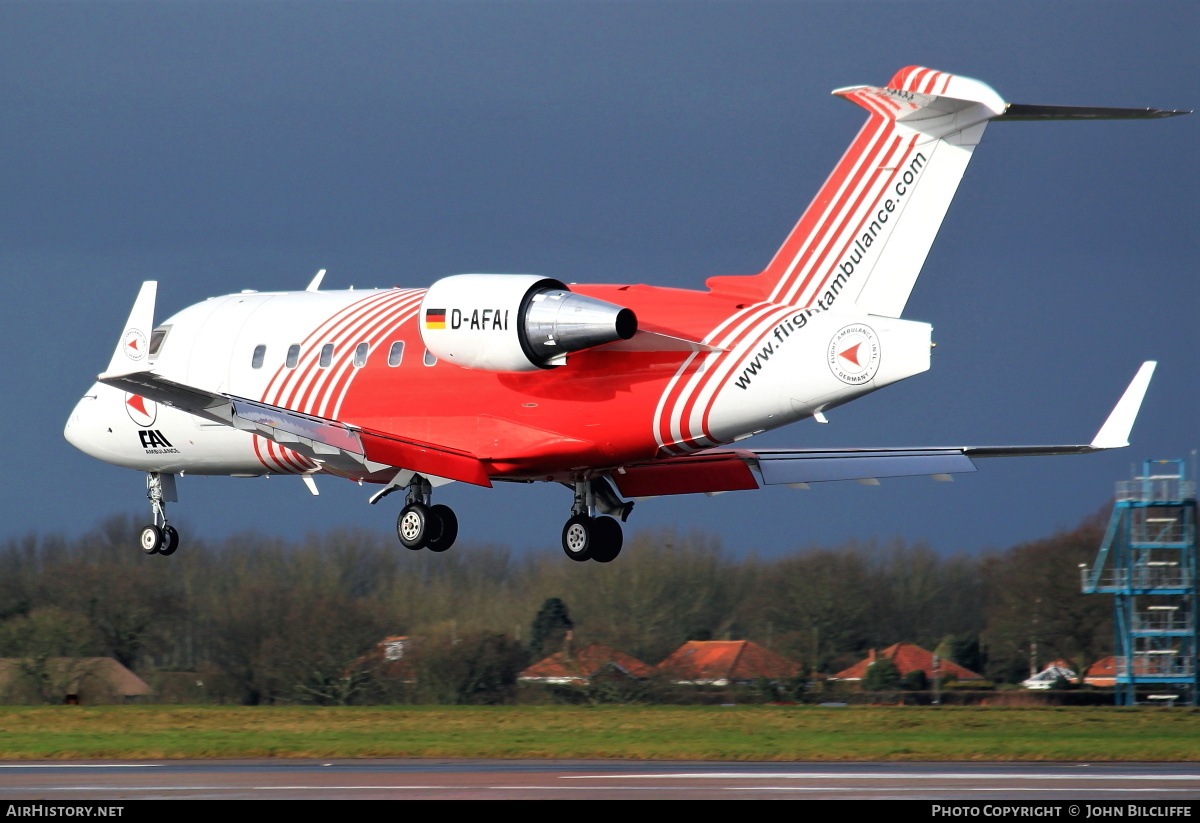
[707, 473]
[778, 467]
[424, 458]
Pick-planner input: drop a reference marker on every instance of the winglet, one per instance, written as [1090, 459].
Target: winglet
[133, 349]
[1114, 434]
[315, 284]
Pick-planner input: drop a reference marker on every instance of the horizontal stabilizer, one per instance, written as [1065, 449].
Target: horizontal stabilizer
[1023, 111]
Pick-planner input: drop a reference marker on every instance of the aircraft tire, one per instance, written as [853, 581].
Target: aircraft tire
[413, 526]
[449, 528]
[170, 540]
[151, 539]
[607, 539]
[577, 538]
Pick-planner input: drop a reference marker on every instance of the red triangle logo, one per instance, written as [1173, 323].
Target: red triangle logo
[138, 404]
[133, 343]
[851, 354]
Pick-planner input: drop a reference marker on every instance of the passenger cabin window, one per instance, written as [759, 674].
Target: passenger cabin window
[430, 360]
[360, 355]
[260, 352]
[157, 338]
[293, 356]
[326, 355]
[396, 353]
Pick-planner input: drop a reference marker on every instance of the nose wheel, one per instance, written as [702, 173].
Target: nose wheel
[159, 537]
[422, 526]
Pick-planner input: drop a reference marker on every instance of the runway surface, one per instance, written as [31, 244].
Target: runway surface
[595, 780]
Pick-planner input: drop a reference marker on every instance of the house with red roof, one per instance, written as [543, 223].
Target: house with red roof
[721, 662]
[1102, 673]
[73, 680]
[581, 666]
[908, 657]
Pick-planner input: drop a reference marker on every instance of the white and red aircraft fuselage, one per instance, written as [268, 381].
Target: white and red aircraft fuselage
[524, 378]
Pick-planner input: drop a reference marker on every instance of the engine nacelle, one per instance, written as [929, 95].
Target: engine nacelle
[515, 322]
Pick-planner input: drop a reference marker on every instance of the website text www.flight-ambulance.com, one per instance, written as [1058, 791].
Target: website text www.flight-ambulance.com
[845, 270]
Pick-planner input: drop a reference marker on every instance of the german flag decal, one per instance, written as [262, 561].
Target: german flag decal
[435, 318]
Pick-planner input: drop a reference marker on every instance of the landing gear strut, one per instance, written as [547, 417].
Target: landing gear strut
[422, 526]
[588, 537]
[159, 537]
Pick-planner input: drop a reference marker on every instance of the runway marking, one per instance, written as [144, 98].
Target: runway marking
[81, 765]
[459, 787]
[877, 776]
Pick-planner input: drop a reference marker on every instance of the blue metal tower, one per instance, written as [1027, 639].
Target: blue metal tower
[1148, 561]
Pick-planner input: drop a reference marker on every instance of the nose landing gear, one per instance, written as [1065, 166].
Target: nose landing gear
[159, 537]
[588, 537]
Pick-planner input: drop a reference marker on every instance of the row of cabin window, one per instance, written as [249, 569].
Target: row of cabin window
[395, 355]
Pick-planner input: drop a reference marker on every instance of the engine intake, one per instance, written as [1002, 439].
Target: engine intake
[515, 322]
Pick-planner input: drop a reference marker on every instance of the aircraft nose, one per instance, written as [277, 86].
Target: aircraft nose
[78, 430]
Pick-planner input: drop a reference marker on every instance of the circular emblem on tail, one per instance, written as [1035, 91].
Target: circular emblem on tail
[134, 344]
[854, 354]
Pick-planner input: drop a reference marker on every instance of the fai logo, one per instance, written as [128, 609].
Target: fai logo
[854, 354]
[141, 411]
[153, 439]
[134, 344]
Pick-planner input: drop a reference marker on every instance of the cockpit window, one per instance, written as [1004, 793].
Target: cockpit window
[157, 338]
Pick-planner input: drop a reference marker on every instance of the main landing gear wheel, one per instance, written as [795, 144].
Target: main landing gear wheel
[577, 538]
[592, 538]
[448, 521]
[422, 525]
[588, 536]
[170, 540]
[607, 539]
[151, 539]
[412, 526]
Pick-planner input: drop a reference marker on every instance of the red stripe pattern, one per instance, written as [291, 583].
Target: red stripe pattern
[320, 391]
[806, 262]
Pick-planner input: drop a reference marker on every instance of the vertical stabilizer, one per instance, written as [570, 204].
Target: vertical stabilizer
[863, 239]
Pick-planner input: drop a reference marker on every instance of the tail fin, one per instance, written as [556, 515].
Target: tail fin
[904, 166]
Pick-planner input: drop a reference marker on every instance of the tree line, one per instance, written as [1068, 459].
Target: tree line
[299, 621]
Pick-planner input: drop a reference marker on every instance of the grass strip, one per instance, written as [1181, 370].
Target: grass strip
[605, 732]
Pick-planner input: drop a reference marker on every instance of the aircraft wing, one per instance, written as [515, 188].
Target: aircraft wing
[329, 442]
[721, 470]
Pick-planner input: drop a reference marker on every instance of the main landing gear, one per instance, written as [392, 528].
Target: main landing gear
[587, 536]
[424, 526]
[159, 537]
